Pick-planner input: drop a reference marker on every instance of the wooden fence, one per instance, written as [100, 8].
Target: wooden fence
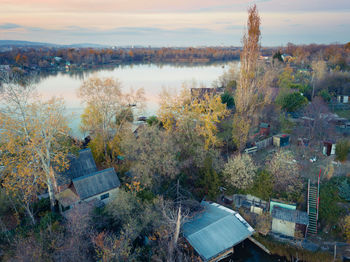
[264, 143]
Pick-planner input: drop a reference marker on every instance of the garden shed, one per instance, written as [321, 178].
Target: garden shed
[328, 147]
[215, 231]
[289, 222]
[281, 140]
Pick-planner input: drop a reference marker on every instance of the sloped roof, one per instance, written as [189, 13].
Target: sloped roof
[295, 216]
[67, 197]
[80, 165]
[96, 183]
[215, 230]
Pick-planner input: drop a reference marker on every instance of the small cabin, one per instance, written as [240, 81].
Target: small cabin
[200, 93]
[100, 186]
[287, 220]
[281, 140]
[344, 99]
[328, 148]
[264, 129]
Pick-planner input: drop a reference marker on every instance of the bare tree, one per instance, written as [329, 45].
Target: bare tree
[316, 125]
[285, 172]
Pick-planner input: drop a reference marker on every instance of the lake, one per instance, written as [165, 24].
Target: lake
[151, 77]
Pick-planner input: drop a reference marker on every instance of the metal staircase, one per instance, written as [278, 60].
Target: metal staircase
[312, 206]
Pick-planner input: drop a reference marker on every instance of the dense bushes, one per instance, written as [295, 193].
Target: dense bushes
[342, 150]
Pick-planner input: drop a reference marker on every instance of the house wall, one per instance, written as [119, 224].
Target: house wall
[343, 99]
[112, 194]
[283, 227]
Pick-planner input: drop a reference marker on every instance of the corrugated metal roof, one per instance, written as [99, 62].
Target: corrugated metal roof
[96, 183]
[215, 230]
[296, 216]
[79, 166]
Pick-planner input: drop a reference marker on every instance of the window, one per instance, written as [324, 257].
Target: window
[104, 196]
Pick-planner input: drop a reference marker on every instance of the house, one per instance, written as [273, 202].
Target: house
[215, 231]
[199, 93]
[99, 186]
[281, 140]
[83, 182]
[289, 222]
[344, 99]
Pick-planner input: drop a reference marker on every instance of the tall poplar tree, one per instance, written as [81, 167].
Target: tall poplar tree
[248, 95]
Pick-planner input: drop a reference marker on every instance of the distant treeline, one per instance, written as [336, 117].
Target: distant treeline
[50, 58]
[53, 58]
[333, 54]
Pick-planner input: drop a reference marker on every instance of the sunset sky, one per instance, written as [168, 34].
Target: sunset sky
[172, 22]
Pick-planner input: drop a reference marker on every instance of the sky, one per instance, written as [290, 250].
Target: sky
[173, 22]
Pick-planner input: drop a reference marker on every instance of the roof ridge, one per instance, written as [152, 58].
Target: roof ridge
[92, 174]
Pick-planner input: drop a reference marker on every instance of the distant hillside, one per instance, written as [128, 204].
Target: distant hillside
[23, 43]
[18, 43]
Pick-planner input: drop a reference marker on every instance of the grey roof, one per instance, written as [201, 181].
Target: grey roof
[215, 230]
[296, 216]
[96, 183]
[79, 166]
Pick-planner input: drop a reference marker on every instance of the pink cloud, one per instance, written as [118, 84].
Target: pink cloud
[121, 5]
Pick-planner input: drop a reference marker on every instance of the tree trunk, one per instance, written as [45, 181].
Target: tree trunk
[51, 190]
[30, 214]
[178, 224]
[173, 243]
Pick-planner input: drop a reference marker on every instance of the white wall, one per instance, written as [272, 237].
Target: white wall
[283, 227]
[112, 194]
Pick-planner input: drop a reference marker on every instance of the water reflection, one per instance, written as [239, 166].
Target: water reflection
[151, 77]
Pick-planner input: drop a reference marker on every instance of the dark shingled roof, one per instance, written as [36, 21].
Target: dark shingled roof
[296, 216]
[96, 183]
[79, 166]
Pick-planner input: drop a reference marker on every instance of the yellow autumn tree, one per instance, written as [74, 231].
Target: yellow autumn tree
[347, 228]
[181, 111]
[31, 142]
[106, 108]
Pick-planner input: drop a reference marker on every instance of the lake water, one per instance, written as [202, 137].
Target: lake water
[151, 77]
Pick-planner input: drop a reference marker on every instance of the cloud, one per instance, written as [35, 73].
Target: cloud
[185, 22]
[9, 26]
